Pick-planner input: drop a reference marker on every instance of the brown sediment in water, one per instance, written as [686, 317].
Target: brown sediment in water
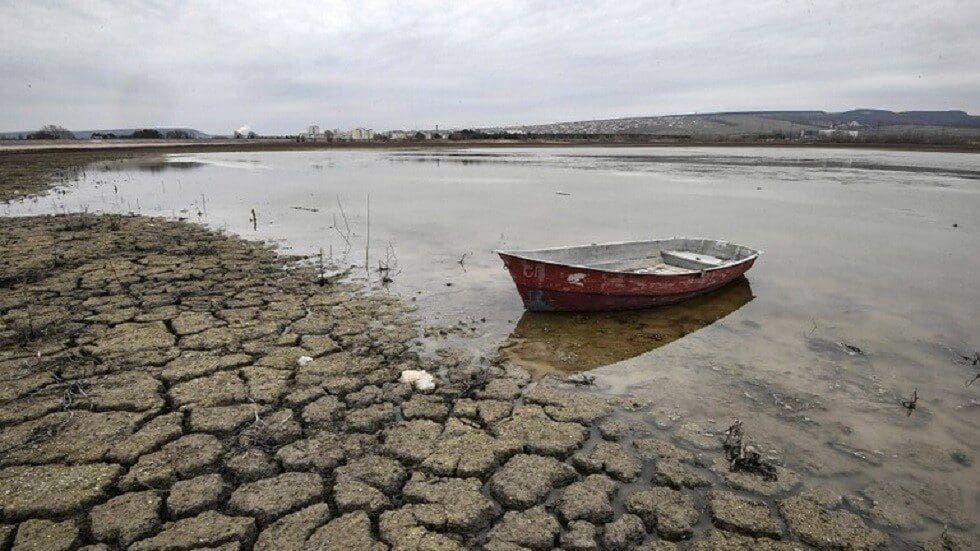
[561, 343]
[25, 174]
[30, 168]
[156, 395]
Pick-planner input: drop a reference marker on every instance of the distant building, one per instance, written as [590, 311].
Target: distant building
[313, 134]
[837, 133]
[361, 134]
[399, 134]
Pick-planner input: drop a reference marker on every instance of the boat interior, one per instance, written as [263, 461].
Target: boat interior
[663, 257]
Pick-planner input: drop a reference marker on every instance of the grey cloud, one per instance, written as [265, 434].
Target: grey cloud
[279, 66]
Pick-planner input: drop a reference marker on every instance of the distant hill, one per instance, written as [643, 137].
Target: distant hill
[749, 123]
[875, 118]
[118, 132]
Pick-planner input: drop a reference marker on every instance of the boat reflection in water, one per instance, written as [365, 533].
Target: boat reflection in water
[561, 343]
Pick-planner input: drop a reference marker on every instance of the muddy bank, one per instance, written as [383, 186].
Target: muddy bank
[24, 174]
[29, 168]
[168, 387]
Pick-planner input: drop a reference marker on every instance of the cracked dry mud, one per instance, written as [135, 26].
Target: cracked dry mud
[152, 400]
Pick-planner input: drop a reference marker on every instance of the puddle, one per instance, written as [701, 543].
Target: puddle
[159, 165]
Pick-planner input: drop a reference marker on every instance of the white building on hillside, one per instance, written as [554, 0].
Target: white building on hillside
[837, 132]
[361, 134]
[313, 134]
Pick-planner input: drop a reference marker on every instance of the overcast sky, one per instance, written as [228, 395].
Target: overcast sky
[279, 66]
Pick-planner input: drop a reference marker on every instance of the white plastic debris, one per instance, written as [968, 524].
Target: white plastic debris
[303, 360]
[420, 378]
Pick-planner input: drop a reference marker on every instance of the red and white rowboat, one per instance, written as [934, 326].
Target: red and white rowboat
[624, 276]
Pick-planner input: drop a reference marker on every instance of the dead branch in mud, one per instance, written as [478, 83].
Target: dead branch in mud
[345, 233]
[581, 379]
[321, 269]
[974, 361]
[367, 242]
[40, 433]
[328, 271]
[911, 403]
[471, 380]
[462, 260]
[388, 266]
[73, 390]
[27, 332]
[966, 360]
[743, 457]
[850, 349]
[344, 216]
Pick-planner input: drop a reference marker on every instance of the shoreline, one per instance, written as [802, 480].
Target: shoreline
[169, 364]
[35, 169]
[153, 361]
[287, 144]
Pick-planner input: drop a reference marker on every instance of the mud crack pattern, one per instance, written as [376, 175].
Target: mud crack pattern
[152, 399]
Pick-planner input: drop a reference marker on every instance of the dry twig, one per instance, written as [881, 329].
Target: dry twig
[910, 404]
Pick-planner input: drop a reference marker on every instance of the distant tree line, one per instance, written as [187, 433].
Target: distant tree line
[877, 136]
[154, 134]
[147, 134]
[55, 132]
[467, 134]
[51, 132]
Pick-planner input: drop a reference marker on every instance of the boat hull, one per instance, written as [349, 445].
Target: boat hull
[549, 287]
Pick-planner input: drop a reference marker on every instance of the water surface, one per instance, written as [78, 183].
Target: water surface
[866, 290]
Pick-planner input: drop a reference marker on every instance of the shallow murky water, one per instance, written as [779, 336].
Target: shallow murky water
[866, 291]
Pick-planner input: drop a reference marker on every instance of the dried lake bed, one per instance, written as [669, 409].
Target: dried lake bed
[863, 294]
